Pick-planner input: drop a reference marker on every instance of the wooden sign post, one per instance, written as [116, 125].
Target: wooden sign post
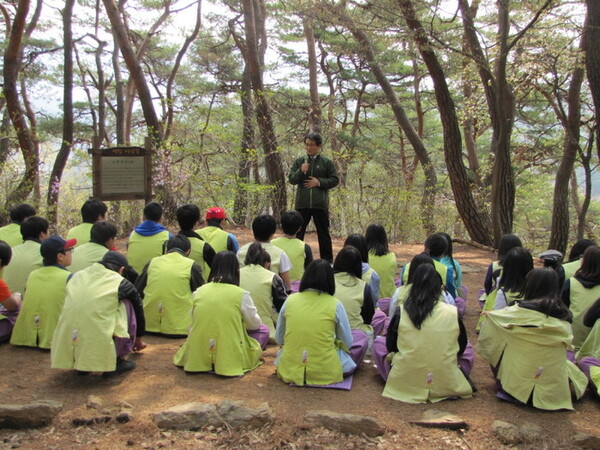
[122, 173]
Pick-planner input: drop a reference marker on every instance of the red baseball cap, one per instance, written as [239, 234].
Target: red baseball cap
[215, 213]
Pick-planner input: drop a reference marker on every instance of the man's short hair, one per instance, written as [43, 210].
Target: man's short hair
[92, 210]
[291, 222]
[102, 231]
[179, 241]
[436, 245]
[263, 227]
[33, 226]
[188, 216]
[153, 211]
[21, 212]
[315, 137]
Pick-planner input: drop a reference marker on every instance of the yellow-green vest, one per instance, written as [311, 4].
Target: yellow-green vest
[591, 345]
[294, 248]
[141, 249]
[215, 236]
[366, 277]
[259, 282]
[425, 367]
[26, 257]
[581, 300]
[595, 377]
[167, 296]
[571, 267]
[530, 348]
[197, 254]
[385, 266]
[272, 250]
[309, 353]
[490, 303]
[218, 339]
[440, 268]
[81, 232]
[85, 255]
[91, 316]
[351, 292]
[42, 304]
[11, 234]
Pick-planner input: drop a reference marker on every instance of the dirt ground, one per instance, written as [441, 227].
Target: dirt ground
[156, 385]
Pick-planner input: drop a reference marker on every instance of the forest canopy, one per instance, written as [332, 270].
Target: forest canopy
[473, 117]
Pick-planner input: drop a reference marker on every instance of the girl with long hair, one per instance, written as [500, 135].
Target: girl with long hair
[381, 259]
[227, 334]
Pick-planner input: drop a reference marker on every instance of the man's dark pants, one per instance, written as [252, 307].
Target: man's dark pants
[321, 219]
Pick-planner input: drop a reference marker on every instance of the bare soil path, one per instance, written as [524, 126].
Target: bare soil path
[156, 384]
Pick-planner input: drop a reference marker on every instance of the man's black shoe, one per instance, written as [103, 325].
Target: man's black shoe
[123, 366]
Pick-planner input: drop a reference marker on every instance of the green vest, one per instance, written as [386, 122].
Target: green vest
[81, 232]
[490, 303]
[26, 257]
[141, 249]
[218, 339]
[440, 268]
[197, 254]
[351, 292]
[11, 234]
[272, 250]
[366, 277]
[259, 281]
[591, 345]
[85, 255]
[531, 350]
[294, 248]
[425, 368]
[215, 236]
[309, 352]
[595, 377]
[386, 267]
[571, 267]
[168, 296]
[91, 316]
[581, 300]
[42, 304]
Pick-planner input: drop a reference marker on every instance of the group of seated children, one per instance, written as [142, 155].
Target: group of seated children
[91, 306]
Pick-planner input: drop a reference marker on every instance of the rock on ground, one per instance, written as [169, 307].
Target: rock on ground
[30, 415]
[440, 419]
[511, 434]
[346, 423]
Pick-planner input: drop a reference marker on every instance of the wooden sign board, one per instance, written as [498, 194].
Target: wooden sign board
[122, 173]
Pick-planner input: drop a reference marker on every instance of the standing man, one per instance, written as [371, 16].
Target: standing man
[315, 175]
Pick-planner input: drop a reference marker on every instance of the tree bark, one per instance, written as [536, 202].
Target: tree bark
[12, 64]
[273, 165]
[592, 60]
[137, 74]
[67, 133]
[476, 223]
[314, 113]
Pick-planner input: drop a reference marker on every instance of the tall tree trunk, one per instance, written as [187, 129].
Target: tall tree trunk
[137, 74]
[273, 165]
[559, 232]
[476, 223]
[25, 138]
[592, 60]
[429, 191]
[314, 113]
[67, 133]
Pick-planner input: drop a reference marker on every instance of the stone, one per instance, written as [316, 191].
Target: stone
[236, 414]
[31, 415]
[440, 419]
[123, 417]
[93, 420]
[586, 440]
[506, 432]
[94, 402]
[531, 433]
[189, 416]
[346, 423]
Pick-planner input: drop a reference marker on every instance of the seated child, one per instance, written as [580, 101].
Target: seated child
[11, 233]
[214, 234]
[188, 217]
[92, 211]
[9, 303]
[227, 335]
[263, 228]
[26, 257]
[381, 259]
[299, 252]
[148, 238]
[369, 275]
[166, 285]
[103, 238]
[102, 320]
[44, 295]
[265, 287]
